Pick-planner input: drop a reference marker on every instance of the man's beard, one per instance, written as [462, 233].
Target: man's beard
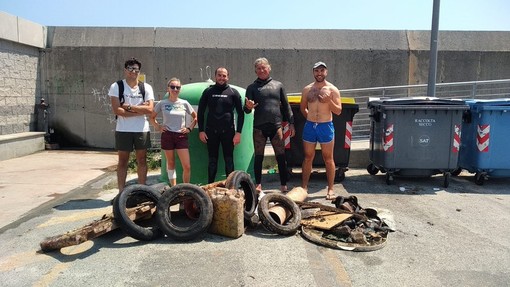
[320, 79]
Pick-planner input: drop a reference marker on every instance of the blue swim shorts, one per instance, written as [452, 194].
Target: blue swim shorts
[318, 132]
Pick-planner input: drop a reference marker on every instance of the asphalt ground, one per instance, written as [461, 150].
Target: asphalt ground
[455, 236]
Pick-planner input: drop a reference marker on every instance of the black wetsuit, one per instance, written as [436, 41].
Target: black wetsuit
[272, 107]
[220, 102]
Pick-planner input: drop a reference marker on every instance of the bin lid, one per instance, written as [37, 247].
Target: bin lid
[416, 101]
[296, 99]
[489, 104]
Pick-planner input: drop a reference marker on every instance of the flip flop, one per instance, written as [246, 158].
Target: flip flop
[330, 196]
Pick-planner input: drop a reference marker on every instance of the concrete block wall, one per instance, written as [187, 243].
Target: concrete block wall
[20, 118]
[19, 66]
[73, 67]
[20, 43]
[80, 64]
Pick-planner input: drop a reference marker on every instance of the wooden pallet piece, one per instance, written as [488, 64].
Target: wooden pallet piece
[95, 229]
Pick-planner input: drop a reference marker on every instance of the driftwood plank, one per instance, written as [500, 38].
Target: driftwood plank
[310, 204]
[326, 222]
[105, 224]
[94, 229]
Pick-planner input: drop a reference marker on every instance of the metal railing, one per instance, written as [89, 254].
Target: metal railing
[459, 90]
[361, 123]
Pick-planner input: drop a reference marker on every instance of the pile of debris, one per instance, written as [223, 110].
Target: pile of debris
[186, 211]
[346, 226]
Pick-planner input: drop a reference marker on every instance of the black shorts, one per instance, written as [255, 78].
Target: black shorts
[126, 141]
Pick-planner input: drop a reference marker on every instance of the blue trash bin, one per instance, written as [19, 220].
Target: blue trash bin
[485, 136]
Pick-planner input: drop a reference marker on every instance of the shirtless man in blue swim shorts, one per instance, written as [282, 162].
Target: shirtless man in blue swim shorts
[319, 100]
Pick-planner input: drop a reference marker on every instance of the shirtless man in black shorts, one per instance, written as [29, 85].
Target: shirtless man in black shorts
[268, 98]
[220, 100]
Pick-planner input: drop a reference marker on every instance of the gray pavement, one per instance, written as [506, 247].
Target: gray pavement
[457, 236]
[31, 181]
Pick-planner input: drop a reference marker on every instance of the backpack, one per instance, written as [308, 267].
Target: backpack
[120, 83]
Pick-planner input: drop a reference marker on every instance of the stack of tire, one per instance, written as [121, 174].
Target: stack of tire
[242, 180]
[161, 222]
[162, 199]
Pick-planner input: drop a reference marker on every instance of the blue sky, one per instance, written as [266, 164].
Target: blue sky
[466, 15]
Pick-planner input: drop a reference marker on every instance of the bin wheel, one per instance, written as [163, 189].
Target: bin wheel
[339, 175]
[446, 181]
[389, 179]
[372, 170]
[479, 178]
[456, 171]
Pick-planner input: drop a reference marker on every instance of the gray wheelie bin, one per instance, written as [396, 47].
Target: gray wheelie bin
[485, 136]
[415, 137]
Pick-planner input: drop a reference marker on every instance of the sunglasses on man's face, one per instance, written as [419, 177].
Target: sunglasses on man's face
[175, 87]
[133, 69]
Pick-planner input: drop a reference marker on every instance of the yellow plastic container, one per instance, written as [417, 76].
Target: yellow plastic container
[228, 215]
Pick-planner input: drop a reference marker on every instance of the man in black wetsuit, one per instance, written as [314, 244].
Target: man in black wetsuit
[268, 98]
[220, 100]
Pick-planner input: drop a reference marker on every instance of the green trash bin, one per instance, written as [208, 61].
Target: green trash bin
[243, 152]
